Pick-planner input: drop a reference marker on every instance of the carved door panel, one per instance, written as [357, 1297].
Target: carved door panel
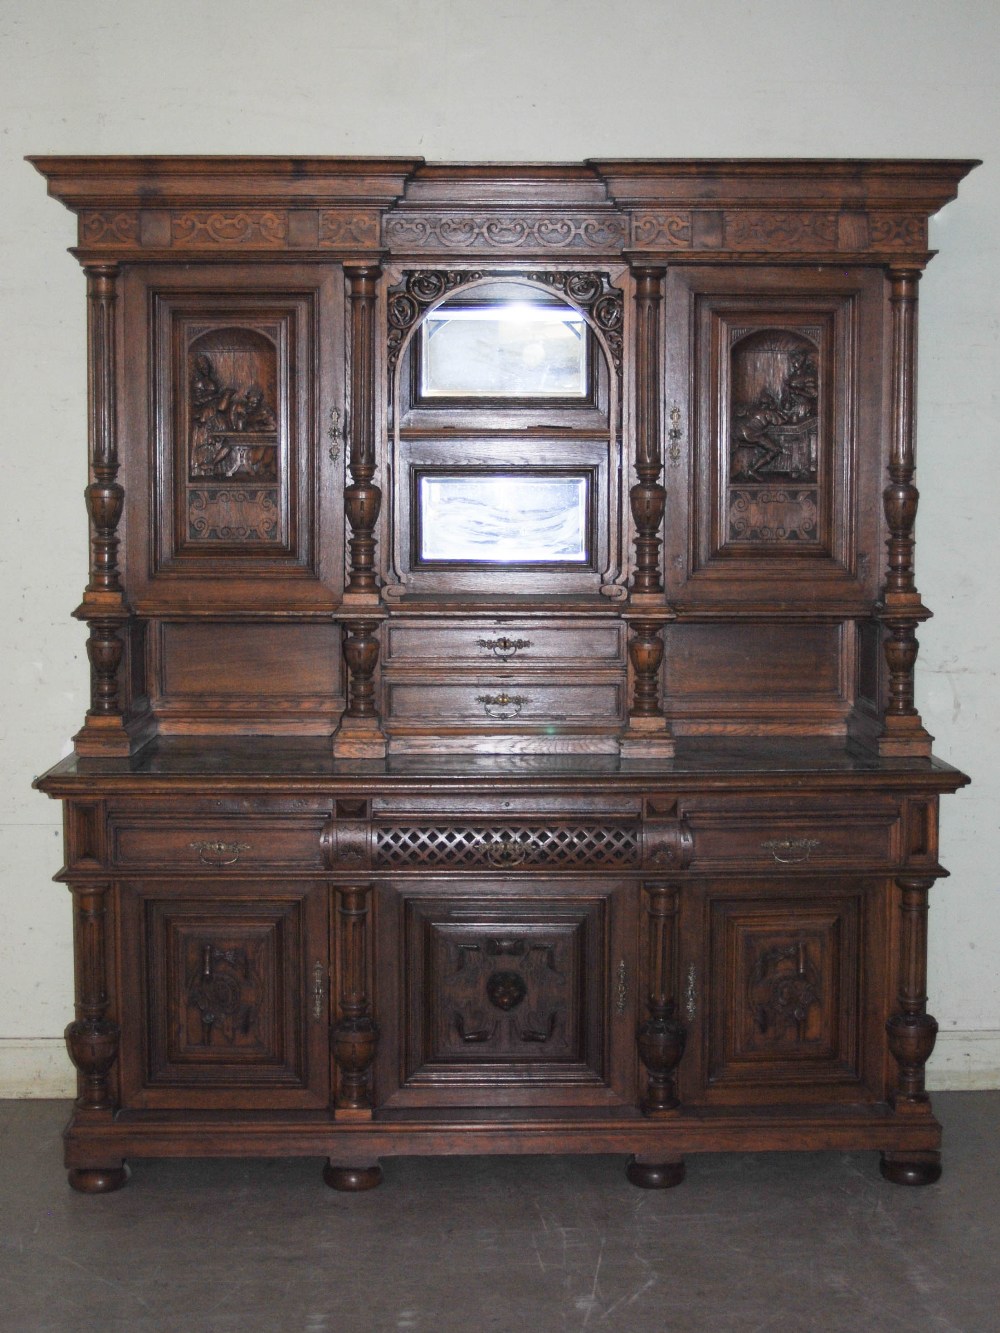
[234, 984]
[771, 398]
[507, 996]
[237, 390]
[779, 992]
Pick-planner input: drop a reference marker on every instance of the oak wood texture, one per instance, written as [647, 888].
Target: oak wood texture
[373, 853]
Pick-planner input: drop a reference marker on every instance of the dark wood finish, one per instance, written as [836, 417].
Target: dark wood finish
[623, 850]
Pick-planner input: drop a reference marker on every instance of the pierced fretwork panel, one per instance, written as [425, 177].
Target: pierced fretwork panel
[508, 846]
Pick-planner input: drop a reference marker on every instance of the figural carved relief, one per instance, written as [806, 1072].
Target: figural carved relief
[232, 437]
[774, 437]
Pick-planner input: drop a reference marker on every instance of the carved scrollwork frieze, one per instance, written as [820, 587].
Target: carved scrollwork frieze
[534, 232]
[349, 228]
[657, 230]
[113, 229]
[265, 228]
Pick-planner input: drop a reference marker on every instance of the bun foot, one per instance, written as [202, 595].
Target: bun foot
[98, 1179]
[913, 1168]
[352, 1178]
[655, 1175]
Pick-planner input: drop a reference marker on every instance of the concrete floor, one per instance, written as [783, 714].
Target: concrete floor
[792, 1243]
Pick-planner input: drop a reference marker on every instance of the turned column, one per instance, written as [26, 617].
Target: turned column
[912, 1032]
[647, 732]
[92, 1038]
[354, 1039]
[360, 735]
[355, 1034]
[661, 1038]
[901, 609]
[103, 606]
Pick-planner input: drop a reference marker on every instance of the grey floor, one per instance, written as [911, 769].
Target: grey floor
[789, 1243]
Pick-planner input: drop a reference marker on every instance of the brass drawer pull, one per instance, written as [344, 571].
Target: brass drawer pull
[502, 705]
[219, 853]
[503, 647]
[790, 851]
[504, 850]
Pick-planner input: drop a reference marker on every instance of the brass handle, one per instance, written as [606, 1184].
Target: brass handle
[674, 436]
[503, 850]
[691, 994]
[334, 435]
[621, 1001]
[508, 704]
[790, 851]
[319, 990]
[219, 853]
[503, 647]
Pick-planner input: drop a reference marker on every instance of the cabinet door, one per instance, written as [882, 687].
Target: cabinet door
[490, 994]
[233, 399]
[774, 415]
[226, 991]
[781, 991]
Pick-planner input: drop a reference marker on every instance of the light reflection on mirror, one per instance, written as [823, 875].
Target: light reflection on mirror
[509, 350]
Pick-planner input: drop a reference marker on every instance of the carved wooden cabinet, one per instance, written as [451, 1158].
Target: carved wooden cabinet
[502, 625]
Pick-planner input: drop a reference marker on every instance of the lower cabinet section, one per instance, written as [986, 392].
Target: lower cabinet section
[516, 974]
[232, 984]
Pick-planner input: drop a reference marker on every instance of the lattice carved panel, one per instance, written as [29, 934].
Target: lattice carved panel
[507, 846]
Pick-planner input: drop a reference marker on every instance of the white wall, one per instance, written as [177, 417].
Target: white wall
[507, 79]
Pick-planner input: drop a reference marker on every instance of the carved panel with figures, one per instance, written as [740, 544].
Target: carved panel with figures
[245, 376]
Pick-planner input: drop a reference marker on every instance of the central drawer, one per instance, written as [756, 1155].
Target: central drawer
[487, 702]
[497, 641]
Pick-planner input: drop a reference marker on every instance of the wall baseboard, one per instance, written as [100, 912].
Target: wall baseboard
[35, 1067]
[40, 1067]
[965, 1061]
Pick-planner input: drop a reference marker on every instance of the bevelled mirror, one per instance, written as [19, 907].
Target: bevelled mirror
[505, 441]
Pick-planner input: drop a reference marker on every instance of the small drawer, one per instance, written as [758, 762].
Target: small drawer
[217, 844]
[510, 703]
[495, 642]
[793, 840]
